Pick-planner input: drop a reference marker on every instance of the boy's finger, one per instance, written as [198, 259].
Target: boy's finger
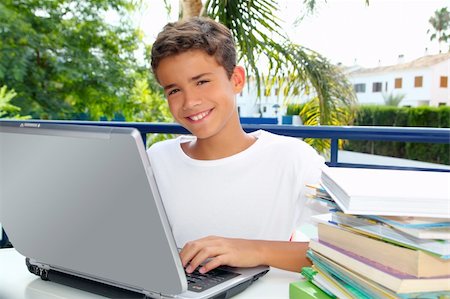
[212, 264]
[188, 252]
[203, 255]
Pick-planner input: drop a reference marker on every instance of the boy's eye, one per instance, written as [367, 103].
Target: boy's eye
[173, 91]
[201, 82]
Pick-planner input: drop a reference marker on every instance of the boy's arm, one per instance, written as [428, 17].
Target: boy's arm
[243, 253]
[286, 255]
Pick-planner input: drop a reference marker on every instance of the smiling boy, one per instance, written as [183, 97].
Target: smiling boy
[232, 198]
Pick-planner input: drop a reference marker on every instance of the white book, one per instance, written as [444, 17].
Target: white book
[389, 192]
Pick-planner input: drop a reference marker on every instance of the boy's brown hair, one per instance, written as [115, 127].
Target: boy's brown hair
[197, 33]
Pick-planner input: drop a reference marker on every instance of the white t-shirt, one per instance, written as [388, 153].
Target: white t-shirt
[258, 193]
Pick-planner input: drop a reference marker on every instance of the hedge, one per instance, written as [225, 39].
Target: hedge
[424, 116]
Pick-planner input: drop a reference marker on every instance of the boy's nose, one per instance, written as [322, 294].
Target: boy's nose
[191, 99]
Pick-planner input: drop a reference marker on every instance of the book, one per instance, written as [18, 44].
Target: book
[437, 233]
[361, 288]
[393, 280]
[410, 261]
[366, 287]
[377, 229]
[419, 227]
[389, 192]
[326, 283]
[306, 290]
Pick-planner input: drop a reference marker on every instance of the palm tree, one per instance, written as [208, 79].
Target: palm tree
[392, 99]
[293, 68]
[441, 23]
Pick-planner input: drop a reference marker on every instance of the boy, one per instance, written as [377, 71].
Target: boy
[232, 198]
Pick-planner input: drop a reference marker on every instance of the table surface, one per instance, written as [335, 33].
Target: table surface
[17, 283]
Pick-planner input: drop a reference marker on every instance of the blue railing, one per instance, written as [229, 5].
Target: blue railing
[334, 133]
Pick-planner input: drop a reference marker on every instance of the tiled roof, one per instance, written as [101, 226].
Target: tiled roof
[421, 62]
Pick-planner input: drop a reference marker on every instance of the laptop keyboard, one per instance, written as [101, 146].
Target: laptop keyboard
[198, 282]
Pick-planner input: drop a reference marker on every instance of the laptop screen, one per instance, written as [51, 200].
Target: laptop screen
[83, 200]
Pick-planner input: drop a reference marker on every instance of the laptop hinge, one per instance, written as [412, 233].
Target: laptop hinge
[37, 268]
[42, 266]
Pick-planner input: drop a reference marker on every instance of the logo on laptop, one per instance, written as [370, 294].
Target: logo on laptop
[30, 125]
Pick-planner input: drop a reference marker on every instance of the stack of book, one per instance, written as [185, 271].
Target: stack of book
[388, 236]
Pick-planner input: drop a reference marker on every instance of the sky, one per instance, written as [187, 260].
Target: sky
[344, 31]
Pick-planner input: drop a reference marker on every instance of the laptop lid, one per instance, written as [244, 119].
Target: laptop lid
[71, 193]
[83, 200]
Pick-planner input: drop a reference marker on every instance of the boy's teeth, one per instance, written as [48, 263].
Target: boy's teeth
[199, 116]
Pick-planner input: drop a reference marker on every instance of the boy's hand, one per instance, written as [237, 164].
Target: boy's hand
[220, 251]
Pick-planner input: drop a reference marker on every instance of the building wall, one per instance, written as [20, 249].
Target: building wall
[440, 94]
[266, 106]
[430, 93]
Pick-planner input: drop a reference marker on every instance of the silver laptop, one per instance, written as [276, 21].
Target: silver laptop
[82, 205]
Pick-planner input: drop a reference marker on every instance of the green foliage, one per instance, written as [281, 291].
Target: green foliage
[7, 110]
[424, 116]
[440, 22]
[294, 109]
[311, 117]
[5, 105]
[63, 59]
[147, 104]
[429, 117]
[393, 99]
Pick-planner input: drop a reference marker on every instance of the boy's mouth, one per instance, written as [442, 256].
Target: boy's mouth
[199, 116]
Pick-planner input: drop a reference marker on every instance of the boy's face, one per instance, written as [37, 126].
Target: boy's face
[201, 97]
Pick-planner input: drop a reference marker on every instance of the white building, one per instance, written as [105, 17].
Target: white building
[423, 81]
[269, 104]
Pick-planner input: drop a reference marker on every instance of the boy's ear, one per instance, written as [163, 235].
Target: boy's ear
[238, 78]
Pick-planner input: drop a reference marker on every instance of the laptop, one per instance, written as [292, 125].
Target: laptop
[82, 205]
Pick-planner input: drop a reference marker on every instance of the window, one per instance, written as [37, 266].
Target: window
[444, 82]
[418, 81]
[360, 88]
[377, 86]
[385, 86]
[398, 83]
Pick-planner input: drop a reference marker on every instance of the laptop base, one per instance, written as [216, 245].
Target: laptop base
[110, 291]
[83, 284]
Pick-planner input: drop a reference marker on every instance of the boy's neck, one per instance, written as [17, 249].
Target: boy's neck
[222, 145]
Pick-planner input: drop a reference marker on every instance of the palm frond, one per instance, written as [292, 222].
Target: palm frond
[291, 67]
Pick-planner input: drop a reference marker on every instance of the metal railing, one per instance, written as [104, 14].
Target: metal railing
[334, 133]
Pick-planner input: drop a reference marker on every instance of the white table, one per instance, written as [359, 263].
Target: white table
[17, 283]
